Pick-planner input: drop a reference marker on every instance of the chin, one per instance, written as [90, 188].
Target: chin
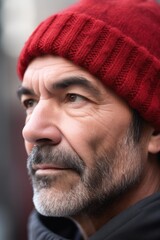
[56, 203]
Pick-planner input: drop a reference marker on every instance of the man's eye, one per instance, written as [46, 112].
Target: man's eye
[72, 97]
[29, 103]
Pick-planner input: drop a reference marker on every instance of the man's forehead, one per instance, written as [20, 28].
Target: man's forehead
[54, 68]
[51, 60]
[51, 68]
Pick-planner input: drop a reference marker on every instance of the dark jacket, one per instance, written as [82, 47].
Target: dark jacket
[139, 222]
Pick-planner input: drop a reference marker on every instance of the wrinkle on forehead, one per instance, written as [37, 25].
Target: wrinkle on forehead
[43, 72]
[48, 68]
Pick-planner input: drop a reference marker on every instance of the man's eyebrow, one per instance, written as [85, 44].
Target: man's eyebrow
[64, 84]
[76, 81]
[24, 91]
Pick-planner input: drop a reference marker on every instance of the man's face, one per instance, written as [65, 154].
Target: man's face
[78, 138]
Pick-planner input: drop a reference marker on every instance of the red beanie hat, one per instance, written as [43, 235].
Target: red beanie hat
[118, 41]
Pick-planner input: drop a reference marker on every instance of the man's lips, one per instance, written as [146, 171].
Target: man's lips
[48, 168]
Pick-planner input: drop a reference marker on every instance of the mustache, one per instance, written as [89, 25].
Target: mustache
[53, 155]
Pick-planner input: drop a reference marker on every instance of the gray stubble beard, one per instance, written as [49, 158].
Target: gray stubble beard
[113, 173]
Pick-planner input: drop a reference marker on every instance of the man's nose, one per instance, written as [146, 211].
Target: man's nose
[42, 126]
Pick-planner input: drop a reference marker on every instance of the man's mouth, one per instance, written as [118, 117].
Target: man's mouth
[47, 169]
[46, 160]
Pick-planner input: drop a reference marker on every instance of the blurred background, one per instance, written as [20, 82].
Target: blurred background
[17, 20]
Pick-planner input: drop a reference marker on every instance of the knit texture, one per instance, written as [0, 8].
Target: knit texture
[116, 41]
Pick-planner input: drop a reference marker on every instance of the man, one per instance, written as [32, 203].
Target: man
[91, 90]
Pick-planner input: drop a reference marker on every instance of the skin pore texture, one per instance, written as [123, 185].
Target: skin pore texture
[82, 159]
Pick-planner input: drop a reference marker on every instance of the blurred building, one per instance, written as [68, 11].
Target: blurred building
[17, 20]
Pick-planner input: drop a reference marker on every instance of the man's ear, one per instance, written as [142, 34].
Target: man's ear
[154, 143]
